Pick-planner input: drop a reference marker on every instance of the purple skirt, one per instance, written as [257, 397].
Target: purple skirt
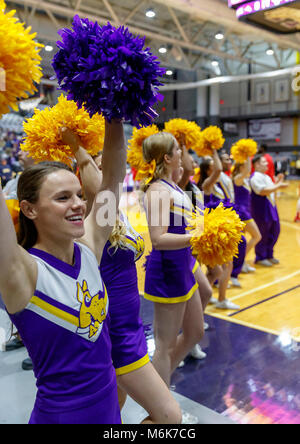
[244, 212]
[105, 411]
[169, 277]
[129, 346]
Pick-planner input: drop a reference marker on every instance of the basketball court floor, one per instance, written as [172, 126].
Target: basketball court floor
[250, 374]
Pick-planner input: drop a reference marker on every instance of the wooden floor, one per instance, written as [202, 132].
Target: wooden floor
[269, 299]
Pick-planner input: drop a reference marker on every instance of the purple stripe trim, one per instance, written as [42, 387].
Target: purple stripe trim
[71, 270]
[181, 207]
[264, 300]
[176, 188]
[56, 304]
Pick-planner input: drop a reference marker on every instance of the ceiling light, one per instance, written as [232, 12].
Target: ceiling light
[215, 63]
[169, 72]
[270, 51]
[219, 36]
[162, 50]
[150, 13]
[48, 48]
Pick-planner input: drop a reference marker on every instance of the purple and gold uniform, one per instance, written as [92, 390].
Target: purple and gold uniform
[65, 331]
[169, 278]
[118, 270]
[197, 198]
[265, 214]
[243, 200]
[223, 191]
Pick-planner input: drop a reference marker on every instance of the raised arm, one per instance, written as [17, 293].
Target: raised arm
[213, 178]
[245, 170]
[18, 270]
[102, 218]
[90, 174]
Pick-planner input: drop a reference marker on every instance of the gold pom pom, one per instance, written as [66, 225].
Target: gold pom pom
[243, 149]
[186, 132]
[135, 149]
[19, 61]
[43, 141]
[217, 243]
[211, 138]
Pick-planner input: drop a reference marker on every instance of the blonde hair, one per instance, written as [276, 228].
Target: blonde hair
[154, 148]
[117, 237]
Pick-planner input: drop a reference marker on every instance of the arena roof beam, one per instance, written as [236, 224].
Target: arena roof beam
[218, 12]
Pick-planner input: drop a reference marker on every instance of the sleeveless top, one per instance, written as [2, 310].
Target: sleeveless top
[169, 277]
[263, 207]
[180, 210]
[243, 199]
[65, 331]
[196, 196]
[118, 266]
[212, 200]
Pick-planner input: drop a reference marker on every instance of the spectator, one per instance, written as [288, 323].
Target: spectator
[6, 171]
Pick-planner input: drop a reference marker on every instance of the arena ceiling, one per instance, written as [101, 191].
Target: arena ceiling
[186, 28]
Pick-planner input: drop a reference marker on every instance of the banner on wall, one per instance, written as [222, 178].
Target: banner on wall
[265, 129]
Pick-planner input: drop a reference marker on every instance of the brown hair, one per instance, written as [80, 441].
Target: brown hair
[204, 167]
[155, 147]
[29, 185]
[236, 169]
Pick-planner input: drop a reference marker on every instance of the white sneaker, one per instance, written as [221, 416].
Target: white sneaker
[217, 285]
[197, 352]
[247, 268]
[265, 263]
[235, 282]
[227, 305]
[213, 300]
[274, 261]
[188, 418]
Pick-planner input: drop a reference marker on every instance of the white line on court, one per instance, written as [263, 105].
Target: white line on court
[253, 290]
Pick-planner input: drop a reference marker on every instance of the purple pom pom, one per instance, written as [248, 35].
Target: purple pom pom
[107, 70]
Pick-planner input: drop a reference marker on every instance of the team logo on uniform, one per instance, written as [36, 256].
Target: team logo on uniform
[92, 310]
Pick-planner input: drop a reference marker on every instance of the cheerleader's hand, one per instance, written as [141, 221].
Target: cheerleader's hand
[280, 177]
[70, 138]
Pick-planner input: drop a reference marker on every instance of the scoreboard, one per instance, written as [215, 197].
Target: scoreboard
[281, 16]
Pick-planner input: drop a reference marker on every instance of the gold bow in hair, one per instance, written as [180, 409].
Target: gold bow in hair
[146, 171]
[14, 209]
[196, 176]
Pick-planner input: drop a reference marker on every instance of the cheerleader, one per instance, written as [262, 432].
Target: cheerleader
[204, 287]
[53, 291]
[169, 280]
[242, 191]
[264, 211]
[226, 183]
[136, 375]
[210, 170]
